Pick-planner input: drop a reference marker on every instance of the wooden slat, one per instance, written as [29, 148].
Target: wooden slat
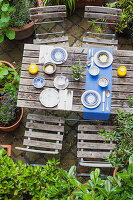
[87, 154]
[46, 118]
[85, 164]
[51, 40]
[94, 128]
[90, 137]
[37, 151]
[98, 9]
[46, 145]
[100, 40]
[48, 9]
[96, 146]
[48, 15]
[102, 16]
[41, 135]
[99, 46]
[45, 127]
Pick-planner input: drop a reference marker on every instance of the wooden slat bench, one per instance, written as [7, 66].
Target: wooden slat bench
[49, 15]
[44, 135]
[91, 146]
[102, 16]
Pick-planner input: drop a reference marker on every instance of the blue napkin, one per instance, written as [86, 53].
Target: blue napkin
[92, 84]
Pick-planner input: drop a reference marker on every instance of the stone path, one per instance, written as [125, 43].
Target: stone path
[12, 51]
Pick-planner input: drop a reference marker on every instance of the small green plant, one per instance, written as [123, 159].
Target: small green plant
[122, 135]
[77, 69]
[7, 74]
[130, 98]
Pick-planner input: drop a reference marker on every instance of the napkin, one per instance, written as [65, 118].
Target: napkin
[66, 99]
[45, 53]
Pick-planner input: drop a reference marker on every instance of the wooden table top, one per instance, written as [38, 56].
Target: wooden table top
[122, 88]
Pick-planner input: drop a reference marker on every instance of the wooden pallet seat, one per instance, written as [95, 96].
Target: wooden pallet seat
[101, 16]
[49, 16]
[91, 146]
[44, 134]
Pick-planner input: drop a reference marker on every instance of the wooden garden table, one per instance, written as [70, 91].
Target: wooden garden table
[122, 88]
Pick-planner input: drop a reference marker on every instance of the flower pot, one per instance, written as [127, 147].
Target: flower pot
[116, 169]
[8, 148]
[14, 126]
[83, 3]
[26, 31]
[10, 65]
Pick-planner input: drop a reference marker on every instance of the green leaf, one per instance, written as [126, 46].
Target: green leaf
[77, 193]
[5, 18]
[87, 197]
[71, 171]
[1, 38]
[5, 7]
[102, 191]
[107, 186]
[10, 34]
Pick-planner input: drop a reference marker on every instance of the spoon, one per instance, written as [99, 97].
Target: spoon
[107, 95]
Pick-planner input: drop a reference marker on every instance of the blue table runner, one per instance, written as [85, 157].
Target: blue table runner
[92, 84]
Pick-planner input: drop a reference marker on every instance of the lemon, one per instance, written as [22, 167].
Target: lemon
[122, 71]
[33, 69]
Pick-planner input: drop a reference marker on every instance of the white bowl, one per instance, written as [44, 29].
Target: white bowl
[94, 71]
[103, 82]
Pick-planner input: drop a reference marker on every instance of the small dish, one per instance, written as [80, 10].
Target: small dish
[49, 68]
[94, 71]
[103, 82]
[103, 57]
[61, 82]
[38, 82]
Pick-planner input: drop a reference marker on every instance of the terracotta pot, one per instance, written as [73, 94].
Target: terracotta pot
[10, 65]
[116, 169]
[27, 30]
[8, 147]
[14, 126]
[83, 3]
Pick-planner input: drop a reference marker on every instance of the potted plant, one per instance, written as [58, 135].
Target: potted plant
[5, 149]
[122, 135]
[15, 18]
[7, 73]
[125, 25]
[77, 70]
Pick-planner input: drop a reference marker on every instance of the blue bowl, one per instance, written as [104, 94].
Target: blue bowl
[38, 82]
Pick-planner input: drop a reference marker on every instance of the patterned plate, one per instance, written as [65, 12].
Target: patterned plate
[38, 82]
[91, 99]
[103, 64]
[49, 97]
[59, 55]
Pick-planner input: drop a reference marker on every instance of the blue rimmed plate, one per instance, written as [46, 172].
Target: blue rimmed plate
[59, 55]
[38, 82]
[103, 58]
[91, 99]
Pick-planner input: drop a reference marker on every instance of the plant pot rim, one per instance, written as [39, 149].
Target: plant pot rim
[13, 126]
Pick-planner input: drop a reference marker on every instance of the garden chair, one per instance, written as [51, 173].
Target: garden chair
[44, 134]
[102, 16]
[53, 17]
[91, 146]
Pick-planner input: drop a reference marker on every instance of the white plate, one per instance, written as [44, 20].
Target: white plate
[61, 82]
[49, 97]
[59, 55]
[103, 65]
[91, 106]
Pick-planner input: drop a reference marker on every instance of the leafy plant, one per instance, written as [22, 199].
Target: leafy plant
[126, 18]
[130, 98]
[6, 10]
[77, 69]
[122, 135]
[7, 74]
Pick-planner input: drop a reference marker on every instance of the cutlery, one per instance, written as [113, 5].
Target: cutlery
[88, 61]
[103, 99]
[92, 58]
[107, 95]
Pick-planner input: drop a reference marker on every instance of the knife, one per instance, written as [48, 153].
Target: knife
[103, 99]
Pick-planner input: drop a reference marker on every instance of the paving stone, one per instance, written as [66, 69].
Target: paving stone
[76, 31]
